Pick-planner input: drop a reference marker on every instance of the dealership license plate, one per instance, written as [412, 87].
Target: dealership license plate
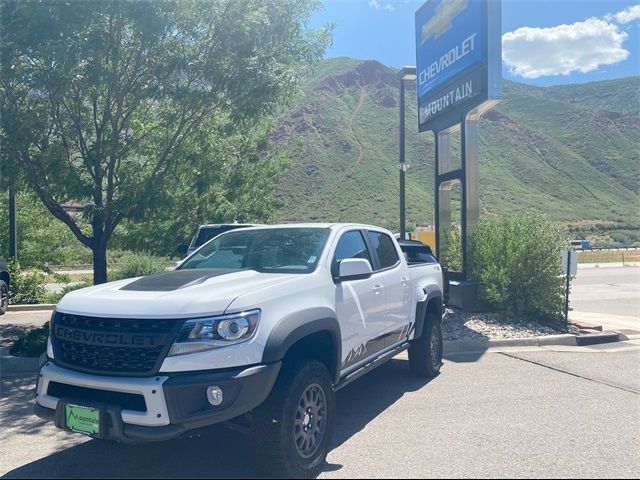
[81, 419]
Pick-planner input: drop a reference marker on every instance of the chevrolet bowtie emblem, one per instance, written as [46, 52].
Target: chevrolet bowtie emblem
[441, 21]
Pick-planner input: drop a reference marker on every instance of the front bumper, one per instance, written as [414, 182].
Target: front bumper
[173, 404]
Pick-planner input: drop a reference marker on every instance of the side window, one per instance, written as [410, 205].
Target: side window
[385, 248]
[418, 255]
[350, 245]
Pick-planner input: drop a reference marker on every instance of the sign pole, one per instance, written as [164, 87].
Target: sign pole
[402, 165]
[566, 298]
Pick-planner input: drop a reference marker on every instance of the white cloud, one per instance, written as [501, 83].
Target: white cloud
[380, 6]
[627, 15]
[563, 49]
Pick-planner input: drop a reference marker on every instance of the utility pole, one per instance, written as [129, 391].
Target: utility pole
[406, 74]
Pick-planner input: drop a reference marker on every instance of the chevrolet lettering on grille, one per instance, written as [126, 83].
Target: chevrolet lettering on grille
[88, 337]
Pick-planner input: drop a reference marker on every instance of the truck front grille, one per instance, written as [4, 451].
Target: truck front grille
[111, 346]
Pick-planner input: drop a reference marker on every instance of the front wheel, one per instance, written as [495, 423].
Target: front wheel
[425, 352]
[4, 297]
[293, 427]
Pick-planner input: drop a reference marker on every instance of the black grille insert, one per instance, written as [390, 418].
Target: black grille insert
[127, 401]
[115, 346]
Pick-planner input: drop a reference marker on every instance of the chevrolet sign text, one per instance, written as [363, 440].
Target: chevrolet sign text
[458, 52]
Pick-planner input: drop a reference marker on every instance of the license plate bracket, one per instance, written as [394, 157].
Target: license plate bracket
[85, 419]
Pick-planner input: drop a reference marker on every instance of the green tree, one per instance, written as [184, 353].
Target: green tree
[42, 240]
[226, 177]
[103, 100]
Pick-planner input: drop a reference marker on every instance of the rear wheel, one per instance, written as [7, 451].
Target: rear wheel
[425, 352]
[4, 297]
[293, 427]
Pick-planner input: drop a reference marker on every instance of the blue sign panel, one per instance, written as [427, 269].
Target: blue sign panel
[458, 48]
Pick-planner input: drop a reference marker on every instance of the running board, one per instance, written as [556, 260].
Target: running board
[367, 367]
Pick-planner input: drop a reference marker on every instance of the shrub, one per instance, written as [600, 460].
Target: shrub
[518, 261]
[61, 277]
[137, 265]
[55, 297]
[32, 344]
[25, 287]
[451, 256]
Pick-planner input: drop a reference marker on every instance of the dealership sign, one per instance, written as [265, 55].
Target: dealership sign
[459, 65]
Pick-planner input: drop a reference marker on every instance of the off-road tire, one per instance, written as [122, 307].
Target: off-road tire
[277, 422]
[425, 352]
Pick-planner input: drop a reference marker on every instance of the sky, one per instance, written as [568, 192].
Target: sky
[544, 42]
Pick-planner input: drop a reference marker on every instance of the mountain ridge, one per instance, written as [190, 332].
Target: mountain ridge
[552, 149]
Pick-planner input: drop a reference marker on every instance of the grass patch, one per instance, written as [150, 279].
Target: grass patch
[594, 256]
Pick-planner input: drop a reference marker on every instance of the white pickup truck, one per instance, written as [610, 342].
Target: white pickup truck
[257, 328]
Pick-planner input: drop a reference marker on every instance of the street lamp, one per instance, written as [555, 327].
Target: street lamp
[406, 74]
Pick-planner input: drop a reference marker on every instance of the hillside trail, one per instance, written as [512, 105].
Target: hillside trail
[354, 165]
[363, 95]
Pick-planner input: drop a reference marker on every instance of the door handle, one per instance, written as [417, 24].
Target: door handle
[378, 287]
[404, 281]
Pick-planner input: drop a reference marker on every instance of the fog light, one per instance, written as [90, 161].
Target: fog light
[214, 395]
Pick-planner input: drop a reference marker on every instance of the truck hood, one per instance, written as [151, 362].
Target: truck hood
[176, 294]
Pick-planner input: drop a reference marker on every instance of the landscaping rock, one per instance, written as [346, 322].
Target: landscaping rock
[461, 325]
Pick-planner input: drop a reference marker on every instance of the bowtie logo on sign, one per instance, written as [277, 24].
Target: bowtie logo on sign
[442, 21]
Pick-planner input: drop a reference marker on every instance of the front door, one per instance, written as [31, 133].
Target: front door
[360, 304]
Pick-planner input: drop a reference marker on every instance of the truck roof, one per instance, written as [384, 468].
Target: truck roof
[317, 225]
[216, 225]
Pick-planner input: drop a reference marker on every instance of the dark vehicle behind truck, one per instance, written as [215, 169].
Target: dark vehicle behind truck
[206, 233]
[418, 253]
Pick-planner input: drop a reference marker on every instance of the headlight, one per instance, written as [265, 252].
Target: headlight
[215, 332]
[49, 348]
[49, 344]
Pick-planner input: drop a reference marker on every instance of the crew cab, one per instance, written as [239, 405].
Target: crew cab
[258, 328]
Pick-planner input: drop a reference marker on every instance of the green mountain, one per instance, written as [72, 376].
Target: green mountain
[571, 152]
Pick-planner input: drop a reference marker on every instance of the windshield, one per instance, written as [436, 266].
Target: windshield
[273, 250]
[205, 234]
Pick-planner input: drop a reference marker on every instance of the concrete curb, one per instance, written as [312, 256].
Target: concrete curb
[471, 346]
[36, 307]
[632, 336]
[10, 365]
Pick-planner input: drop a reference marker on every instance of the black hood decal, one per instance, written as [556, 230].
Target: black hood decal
[168, 281]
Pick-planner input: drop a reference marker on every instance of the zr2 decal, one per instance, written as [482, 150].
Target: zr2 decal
[375, 345]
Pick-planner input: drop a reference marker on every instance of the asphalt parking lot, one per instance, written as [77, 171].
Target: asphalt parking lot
[607, 295]
[530, 412]
[569, 412]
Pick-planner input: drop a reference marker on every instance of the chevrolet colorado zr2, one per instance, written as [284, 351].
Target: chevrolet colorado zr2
[259, 327]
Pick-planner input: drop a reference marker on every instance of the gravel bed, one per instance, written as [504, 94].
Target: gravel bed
[461, 325]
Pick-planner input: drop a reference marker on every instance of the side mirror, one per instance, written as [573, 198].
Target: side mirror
[354, 269]
[182, 249]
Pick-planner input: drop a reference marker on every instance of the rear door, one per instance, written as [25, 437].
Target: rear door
[397, 282]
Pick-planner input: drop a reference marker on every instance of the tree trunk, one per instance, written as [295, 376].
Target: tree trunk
[99, 263]
[13, 231]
